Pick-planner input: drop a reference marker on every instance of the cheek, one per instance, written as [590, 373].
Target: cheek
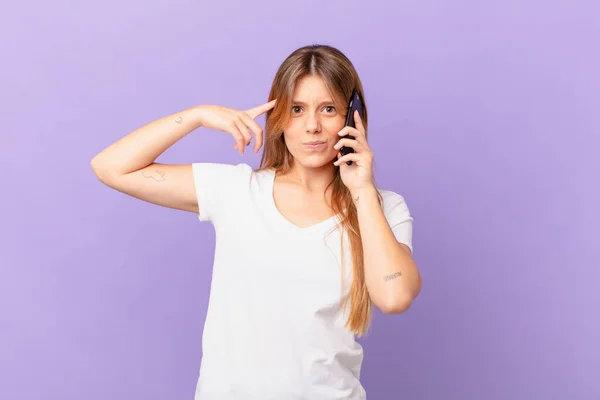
[292, 132]
[334, 128]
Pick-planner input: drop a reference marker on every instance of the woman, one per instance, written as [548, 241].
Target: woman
[305, 244]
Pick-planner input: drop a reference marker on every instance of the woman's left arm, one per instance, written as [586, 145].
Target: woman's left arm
[391, 274]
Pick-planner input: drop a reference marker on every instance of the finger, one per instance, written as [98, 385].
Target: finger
[258, 132]
[348, 130]
[247, 137]
[348, 157]
[245, 131]
[353, 143]
[263, 108]
[237, 135]
[353, 134]
[359, 122]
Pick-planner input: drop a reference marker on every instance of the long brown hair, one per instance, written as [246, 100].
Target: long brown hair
[340, 78]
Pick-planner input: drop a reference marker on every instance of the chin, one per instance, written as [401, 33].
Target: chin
[316, 161]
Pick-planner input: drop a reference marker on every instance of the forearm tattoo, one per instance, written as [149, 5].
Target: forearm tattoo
[392, 276]
[158, 177]
[179, 119]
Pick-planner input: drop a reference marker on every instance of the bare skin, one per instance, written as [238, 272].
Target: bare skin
[129, 166]
[300, 194]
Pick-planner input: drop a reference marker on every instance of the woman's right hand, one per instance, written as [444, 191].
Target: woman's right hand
[237, 123]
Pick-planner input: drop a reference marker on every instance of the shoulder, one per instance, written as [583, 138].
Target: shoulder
[228, 177]
[222, 169]
[395, 207]
[392, 200]
[398, 216]
[221, 173]
[217, 185]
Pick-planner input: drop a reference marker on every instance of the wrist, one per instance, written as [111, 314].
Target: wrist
[363, 191]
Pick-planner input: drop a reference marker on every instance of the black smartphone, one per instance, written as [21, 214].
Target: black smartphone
[354, 103]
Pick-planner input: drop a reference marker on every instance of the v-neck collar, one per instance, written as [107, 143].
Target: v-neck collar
[286, 224]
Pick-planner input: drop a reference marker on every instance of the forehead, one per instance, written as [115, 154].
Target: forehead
[311, 88]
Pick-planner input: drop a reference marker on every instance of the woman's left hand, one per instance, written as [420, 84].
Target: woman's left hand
[359, 174]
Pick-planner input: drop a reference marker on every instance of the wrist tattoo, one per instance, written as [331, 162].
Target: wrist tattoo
[392, 276]
[179, 120]
[356, 199]
[159, 178]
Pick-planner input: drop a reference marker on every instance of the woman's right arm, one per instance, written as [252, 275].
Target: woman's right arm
[129, 166]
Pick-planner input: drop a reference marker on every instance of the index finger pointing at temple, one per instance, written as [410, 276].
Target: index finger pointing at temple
[263, 108]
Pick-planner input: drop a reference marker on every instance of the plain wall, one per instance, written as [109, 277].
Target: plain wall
[483, 115]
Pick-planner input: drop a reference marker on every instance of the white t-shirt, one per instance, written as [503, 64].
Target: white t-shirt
[274, 328]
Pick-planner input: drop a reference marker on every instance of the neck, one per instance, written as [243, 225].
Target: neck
[314, 180]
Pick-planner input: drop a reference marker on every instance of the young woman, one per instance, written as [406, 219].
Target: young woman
[305, 245]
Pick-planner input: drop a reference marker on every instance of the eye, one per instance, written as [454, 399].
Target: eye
[294, 108]
[330, 108]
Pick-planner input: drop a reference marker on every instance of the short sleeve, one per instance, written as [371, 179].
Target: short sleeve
[398, 216]
[215, 185]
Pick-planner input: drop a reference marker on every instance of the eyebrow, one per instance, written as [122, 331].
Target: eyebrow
[320, 104]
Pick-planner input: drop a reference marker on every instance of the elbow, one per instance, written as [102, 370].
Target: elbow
[101, 172]
[94, 165]
[398, 306]
[399, 303]
[97, 169]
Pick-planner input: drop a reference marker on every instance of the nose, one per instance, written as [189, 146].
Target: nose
[313, 124]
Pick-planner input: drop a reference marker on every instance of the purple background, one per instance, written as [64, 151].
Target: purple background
[484, 115]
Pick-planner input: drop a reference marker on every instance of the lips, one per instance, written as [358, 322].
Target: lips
[315, 145]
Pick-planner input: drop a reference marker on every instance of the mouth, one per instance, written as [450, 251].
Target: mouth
[317, 144]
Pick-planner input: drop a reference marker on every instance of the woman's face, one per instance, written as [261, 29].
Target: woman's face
[313, 118]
